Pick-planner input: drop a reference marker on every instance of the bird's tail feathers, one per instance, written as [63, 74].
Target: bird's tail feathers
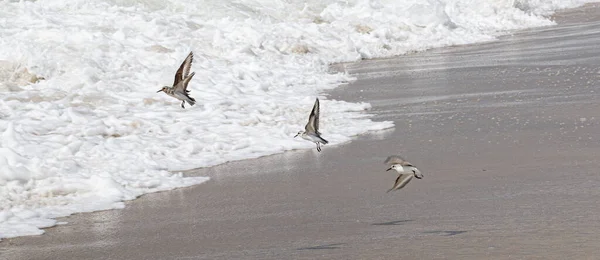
[191, 101]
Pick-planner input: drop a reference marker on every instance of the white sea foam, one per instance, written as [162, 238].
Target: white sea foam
[82, 128]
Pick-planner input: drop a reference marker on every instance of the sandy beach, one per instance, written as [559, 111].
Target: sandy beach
[506, 134]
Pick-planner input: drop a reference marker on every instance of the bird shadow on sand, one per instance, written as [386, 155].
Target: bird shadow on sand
[446, 233]
[321, 247]
[393, 223]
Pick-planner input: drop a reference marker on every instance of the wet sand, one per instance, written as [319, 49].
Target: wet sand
[507, 135]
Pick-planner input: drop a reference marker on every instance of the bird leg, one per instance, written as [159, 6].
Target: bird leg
[318, 147]
[182, 102]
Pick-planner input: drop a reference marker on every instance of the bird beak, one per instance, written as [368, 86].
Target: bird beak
[159, 91]
[388, 169]
[296, 135]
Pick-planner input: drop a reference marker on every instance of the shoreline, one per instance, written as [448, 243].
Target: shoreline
[320, 191]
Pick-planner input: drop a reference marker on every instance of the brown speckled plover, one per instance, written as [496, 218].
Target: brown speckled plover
[182, 78]
[405, 169]
[311, 130]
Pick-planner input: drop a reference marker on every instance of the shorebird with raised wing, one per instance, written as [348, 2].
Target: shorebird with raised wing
[182, 78]
[405, 170]
[311, 130]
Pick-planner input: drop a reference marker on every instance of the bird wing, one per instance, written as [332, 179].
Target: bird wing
[313, 119]
[183, 84]
[394, 159]
[184, 69]
[401, 181]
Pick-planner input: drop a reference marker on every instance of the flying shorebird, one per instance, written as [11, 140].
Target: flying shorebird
[182, 78]
[405, 169]
[311, 130]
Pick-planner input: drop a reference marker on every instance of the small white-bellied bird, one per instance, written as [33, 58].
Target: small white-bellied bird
[182, 78]
[311, 130]
[405, 169]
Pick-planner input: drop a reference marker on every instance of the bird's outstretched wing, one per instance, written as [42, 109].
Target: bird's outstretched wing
[184, 69]
[183, 85]
[401, 181]
[394, 159]
[313, 119]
